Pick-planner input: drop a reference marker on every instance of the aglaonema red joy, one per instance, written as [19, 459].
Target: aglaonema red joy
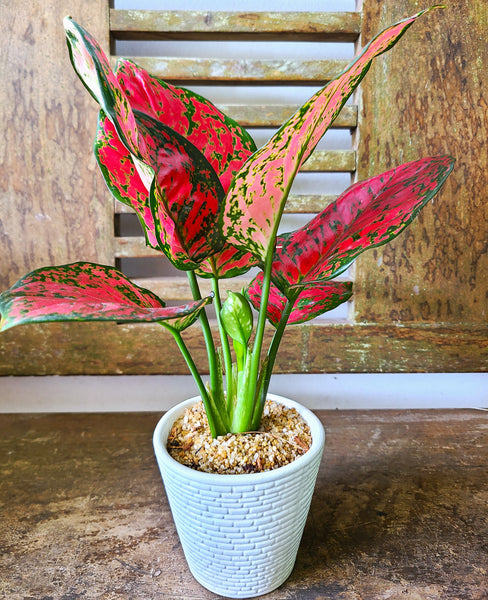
[212, 203]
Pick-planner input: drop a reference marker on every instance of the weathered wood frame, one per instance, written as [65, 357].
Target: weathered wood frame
[420, 302]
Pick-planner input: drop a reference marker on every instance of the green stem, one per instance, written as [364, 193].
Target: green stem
[250, 400]
[240, 419]
[263, 309]
[278, 334]
[271, 358]
[213, 365]
[225, 343]
[212, 415]
[258, 403]
[207, 333]
[247, 410]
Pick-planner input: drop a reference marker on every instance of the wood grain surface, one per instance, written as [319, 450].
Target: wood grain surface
[54, 207]
[159, 24]
[399, 510]
[111, 349]
[426, 97]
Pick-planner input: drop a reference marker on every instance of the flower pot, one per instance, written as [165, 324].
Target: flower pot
[240, 533]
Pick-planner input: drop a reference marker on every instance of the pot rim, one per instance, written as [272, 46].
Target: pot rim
[164, 425]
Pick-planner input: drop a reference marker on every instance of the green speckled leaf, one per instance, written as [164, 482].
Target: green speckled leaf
[368, 214]
[86, 291]
[256, 198]
[312, 301]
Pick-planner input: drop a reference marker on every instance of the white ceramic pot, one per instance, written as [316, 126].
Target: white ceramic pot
[240, 533]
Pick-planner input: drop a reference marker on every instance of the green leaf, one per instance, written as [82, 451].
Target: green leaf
[237, 319]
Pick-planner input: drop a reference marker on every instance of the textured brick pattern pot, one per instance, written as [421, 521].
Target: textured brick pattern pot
[240, 533]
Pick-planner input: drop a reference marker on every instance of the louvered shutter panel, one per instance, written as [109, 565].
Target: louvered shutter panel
[420, 303]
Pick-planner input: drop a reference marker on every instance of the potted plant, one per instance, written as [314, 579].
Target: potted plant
[211, 202]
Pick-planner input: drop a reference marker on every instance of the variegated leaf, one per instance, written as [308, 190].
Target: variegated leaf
[227, 263]
[368, 214]
[93, 68]
[85, 291]
[122, 177]
[180, 213]
[224, 143]
[256, 198]
[186, 196]
[312, 301]
[157, 169]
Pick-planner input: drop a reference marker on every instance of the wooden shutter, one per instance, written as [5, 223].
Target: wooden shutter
[420, 302]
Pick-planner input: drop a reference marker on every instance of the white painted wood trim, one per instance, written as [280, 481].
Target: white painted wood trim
[160, 392]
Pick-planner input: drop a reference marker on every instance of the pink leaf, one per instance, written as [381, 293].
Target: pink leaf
[256, 198]
[311, 302]
[122, 176]
[185, 197]
[180, 212]
[87, 292]
[223, 142]
[155, 168]
[229, 262]
[93, 68]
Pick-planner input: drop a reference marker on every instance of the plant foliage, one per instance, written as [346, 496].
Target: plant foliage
[212, 202]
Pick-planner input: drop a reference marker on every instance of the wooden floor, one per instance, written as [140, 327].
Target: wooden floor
[400, 510]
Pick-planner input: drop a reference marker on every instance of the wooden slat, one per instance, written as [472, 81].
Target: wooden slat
[274, 115]
[317, 347]
[308, 203]
[243, 71]
[177, 288]
[331, 161]
[130, 247]
[296, 204]
[297, 26]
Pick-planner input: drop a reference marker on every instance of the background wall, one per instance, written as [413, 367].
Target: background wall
[48, 127]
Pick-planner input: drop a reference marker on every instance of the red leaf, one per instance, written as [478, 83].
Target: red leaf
[230, 262]
[180, 212]
[223, 142]
[311, 302]
[93, 68]
[158, 165]
[87, 292]
[368, 214]
[122, 177]
[185, 198]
